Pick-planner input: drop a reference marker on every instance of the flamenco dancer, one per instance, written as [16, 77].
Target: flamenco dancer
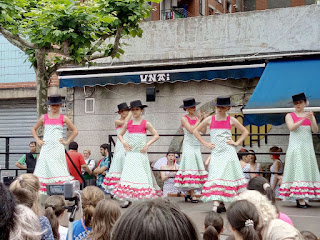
[226, 179]
[137, 181]
[192, 174]
[51, 166]
[301, 178]
[114, 174]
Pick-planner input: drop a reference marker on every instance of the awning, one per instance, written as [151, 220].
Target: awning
[271, 99]
[83, 78]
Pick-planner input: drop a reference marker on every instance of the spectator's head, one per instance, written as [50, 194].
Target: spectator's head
[7, 212]
[33, 146]
[252, 156]
[278, 229]
[105, 215]
[307, 235]
[261, 185]
[86, 153]
[274, 150]
[73, 146]
[26, 190]
[266, 210]
[244, 218]
[104, 149]
[91, 195]
[27, 225]
[54, 208]
[171, 156]
[213, 224]
[154, 219]
[242, 154]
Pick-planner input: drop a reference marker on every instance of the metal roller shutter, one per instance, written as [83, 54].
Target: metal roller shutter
[17, 117]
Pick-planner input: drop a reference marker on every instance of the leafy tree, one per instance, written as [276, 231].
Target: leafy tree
[54, 33]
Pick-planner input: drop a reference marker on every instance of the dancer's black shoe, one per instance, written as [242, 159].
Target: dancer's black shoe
[304, 206]
[221, 208]
[186, 197]
[126, 204]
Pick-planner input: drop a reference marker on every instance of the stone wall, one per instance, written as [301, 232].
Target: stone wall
[246, 34]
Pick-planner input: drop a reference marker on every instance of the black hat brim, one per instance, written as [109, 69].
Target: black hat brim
[54, 103]
[232, 104]
[128, 109]
[141, 106]
[195, 104]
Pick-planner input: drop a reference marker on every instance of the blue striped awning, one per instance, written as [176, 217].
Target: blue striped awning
[279, 81]
[83, 78]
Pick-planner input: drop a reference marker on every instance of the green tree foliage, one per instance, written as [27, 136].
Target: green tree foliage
[59, 32]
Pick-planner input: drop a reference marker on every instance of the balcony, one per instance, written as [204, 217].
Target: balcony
[175, 13]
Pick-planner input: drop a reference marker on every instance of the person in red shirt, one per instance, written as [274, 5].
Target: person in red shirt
[78, 160]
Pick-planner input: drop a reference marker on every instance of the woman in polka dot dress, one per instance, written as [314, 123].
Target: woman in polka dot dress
[226, 179]
[301, 178]
[137, 181]
[114, 174]
[192, 174]
[51, 165]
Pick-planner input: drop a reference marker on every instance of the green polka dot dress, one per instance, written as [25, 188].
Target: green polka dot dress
[51, 165]
[301, 178]
[191, 174]
[137, 181]
[114, 174]
[226, 179]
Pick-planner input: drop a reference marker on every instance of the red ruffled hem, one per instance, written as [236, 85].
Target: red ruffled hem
[189, 182]
[221, 193]
[125, 192]
[192, 176]
[228, 188]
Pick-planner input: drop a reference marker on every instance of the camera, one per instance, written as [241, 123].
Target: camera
[66, 189]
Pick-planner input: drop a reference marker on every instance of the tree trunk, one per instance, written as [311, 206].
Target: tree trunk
[42, 92]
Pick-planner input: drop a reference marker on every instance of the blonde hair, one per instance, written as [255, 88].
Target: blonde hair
[26, 190]
[91, 195]
[87, 150]
[266, 210]
[105, 215]
[54, 207]
[27, 225]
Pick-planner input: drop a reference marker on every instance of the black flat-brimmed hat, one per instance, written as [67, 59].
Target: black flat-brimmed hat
[123, 106]
[55, 99]
[224, 102]
[189, 102]
[137, 103]
[299, 97]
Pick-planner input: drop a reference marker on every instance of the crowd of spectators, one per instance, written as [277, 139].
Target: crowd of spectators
[252, 216]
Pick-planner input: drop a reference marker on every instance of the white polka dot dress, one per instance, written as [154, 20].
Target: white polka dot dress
[301, 178]
[226, 179]
[137, 181]
[51, 165]
[192, 174]
[117, 162]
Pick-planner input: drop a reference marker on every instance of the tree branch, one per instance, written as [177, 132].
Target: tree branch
[98, 43]
[23, 43]
[116, 42]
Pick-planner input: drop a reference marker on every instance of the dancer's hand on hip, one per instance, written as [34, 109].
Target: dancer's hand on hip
[210, 145]
[144, 149]
[63, 141]
[40, 142]
[127, 147]
[231, 142]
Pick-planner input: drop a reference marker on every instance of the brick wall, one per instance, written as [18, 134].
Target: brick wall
[295, 3]
[17, 85]
[261, 4]
[156, 11]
